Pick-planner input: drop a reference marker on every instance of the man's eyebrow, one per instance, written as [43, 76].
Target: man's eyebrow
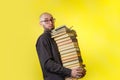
[48, 18]
[45, 18]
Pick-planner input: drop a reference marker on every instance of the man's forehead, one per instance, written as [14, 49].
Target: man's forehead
[46, 16]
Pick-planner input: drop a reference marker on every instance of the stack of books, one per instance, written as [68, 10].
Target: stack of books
[68, 47]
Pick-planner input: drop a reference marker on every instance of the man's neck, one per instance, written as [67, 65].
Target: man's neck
[47, 30]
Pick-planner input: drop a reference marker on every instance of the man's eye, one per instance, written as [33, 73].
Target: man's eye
[46, 20]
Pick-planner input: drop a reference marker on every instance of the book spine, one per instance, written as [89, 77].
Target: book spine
[67, 42]
[73, 66]
[59, 34]
[65, 39]
[68, 51]
[59, 28]
[67, 45]
[71, 56]
[64, 36]
[67, 48]
[71, 63]
[70, 59]
[59, 31]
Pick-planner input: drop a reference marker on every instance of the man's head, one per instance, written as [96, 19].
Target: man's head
[47, 21]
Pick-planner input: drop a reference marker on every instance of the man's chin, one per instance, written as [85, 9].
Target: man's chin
[52, 28]
[48, 29]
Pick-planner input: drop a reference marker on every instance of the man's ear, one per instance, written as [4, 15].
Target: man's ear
[40, 23]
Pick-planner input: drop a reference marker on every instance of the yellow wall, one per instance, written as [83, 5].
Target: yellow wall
[97, 23]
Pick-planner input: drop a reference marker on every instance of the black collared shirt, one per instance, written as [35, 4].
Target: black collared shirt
[50, 58]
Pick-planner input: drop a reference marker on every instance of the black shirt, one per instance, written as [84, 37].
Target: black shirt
[49, 57]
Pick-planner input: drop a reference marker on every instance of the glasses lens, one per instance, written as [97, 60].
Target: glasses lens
[46, 21]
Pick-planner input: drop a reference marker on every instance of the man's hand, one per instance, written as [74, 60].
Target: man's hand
[78, 72]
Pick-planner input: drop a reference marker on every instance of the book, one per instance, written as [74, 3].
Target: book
[71, 63]
[69, 57]
[67, 45]
[67, 42]
[69, 54]
[72, 58]
[60, 30]
[70, 50]
[59, 34]
[65, 39]
[71, 78]
[56, 34]
[80, 63]
[64, 36]
[67, 48]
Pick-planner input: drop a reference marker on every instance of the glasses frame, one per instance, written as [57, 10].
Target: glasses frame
[47, 21]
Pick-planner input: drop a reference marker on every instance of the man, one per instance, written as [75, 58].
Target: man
[49, 55]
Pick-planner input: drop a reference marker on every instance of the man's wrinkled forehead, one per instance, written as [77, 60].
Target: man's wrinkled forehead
[46, 17]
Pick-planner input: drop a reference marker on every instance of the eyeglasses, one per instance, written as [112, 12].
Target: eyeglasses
[47, 21]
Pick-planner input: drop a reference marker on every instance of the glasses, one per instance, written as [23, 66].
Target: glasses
[47, 21]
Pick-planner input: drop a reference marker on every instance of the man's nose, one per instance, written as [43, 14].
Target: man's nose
[51, 22]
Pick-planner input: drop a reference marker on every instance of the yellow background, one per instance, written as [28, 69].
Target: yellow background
[97, 23]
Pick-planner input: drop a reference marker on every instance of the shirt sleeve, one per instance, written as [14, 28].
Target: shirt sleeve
[47, 61]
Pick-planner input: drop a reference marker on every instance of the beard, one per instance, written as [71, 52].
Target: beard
[52, 28]
[49, 29]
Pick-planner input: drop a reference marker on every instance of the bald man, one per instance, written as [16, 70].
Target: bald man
[49, 55]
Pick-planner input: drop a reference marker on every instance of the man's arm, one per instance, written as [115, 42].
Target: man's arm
[45, 56]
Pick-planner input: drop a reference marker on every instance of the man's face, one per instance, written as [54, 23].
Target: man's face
[47, 21]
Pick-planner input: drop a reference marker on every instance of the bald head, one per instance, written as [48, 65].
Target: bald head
[47, 21]
[45, 14]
